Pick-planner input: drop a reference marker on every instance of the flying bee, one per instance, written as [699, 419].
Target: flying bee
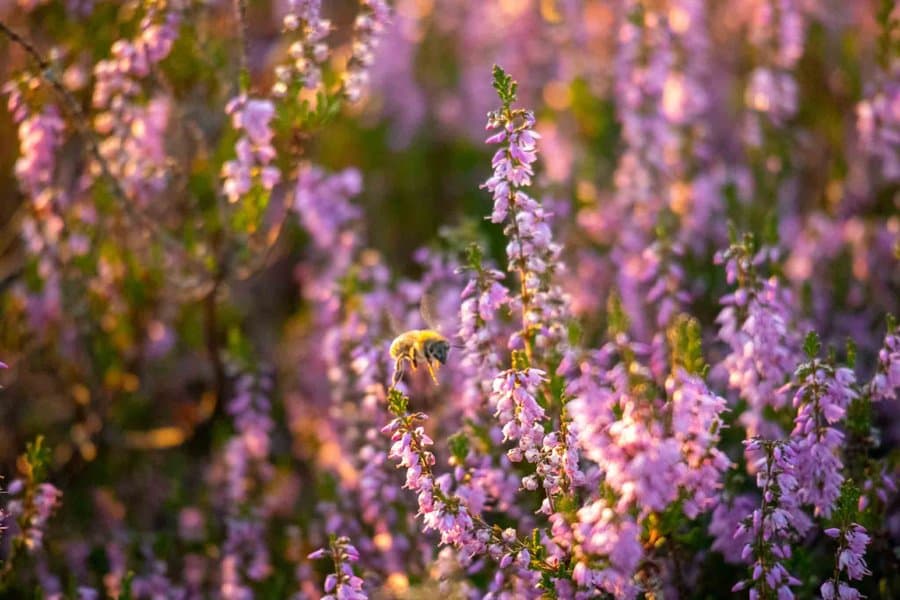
[421, 345]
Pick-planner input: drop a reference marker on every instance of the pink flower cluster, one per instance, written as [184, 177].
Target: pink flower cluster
[254, 149]
[304, 20]
[369, 25]
[821, 402]
[852, 542]
[342, 584]
[133, 132]
[757, 325]
[777, 523]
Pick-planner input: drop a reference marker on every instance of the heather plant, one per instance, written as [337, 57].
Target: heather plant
[663, 268]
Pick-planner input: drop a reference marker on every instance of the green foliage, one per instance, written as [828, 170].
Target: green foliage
[812, 345]
[685, 343]
[474, 257]
[847, 505]
[505, 85]
[397, 402]
[851, 353]
[459, 446]
[36, 459]
[889, 33]
[617, 319]
[519, 360]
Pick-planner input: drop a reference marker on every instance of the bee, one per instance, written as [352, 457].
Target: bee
[421, 345]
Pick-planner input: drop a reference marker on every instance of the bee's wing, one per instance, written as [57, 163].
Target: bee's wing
[394, 323]
[428, 308]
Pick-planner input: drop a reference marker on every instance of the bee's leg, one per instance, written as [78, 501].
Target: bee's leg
[398, 372]
[431, 371]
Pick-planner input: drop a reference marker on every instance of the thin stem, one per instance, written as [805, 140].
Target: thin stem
[240, 10]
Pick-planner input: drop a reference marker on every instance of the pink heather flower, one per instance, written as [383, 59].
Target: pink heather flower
[726, 517]
[482, 299]
[878, 124]
[40, 136]
[852, 542]
[132, 131]
[247, 464]
[777, 522]
[368, 28]
[514, 394]
[304, 24]
[254, 121]
[322, 202]
[756, 323]
[621, 430]
[45, 500]
[697, 425]
[886, 381]
[821, 401]
[254, 149]
[440, 509]
[603, 533]
[778, 32]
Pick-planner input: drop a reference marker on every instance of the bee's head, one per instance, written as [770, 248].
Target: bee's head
[439, 350]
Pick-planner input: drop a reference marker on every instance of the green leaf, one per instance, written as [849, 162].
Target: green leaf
[37, 455]
[615, 314]
[505, 85]
[685, 344]
[812, 345]
[459, 446]
[397, 402]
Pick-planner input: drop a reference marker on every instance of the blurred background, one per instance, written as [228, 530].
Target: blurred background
[661, 122]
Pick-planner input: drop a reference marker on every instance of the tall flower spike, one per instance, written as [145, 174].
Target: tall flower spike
[756, 324]
[822, 399]
[775, 524]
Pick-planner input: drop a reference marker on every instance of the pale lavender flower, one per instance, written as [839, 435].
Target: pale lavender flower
[886, 381]
[604, 533]
[850, 558]
[776, 523]
[367, 30]
[697, 425]
[514, 394]
[878, 124]
[343, 584]
[304, 24]
[132, 132]
[621, 431]
[254, 149]
[726, 517]
[821, 401]
[322, 202]
[246, 468]
[756, 323]
[530, 250]
[482, 299]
